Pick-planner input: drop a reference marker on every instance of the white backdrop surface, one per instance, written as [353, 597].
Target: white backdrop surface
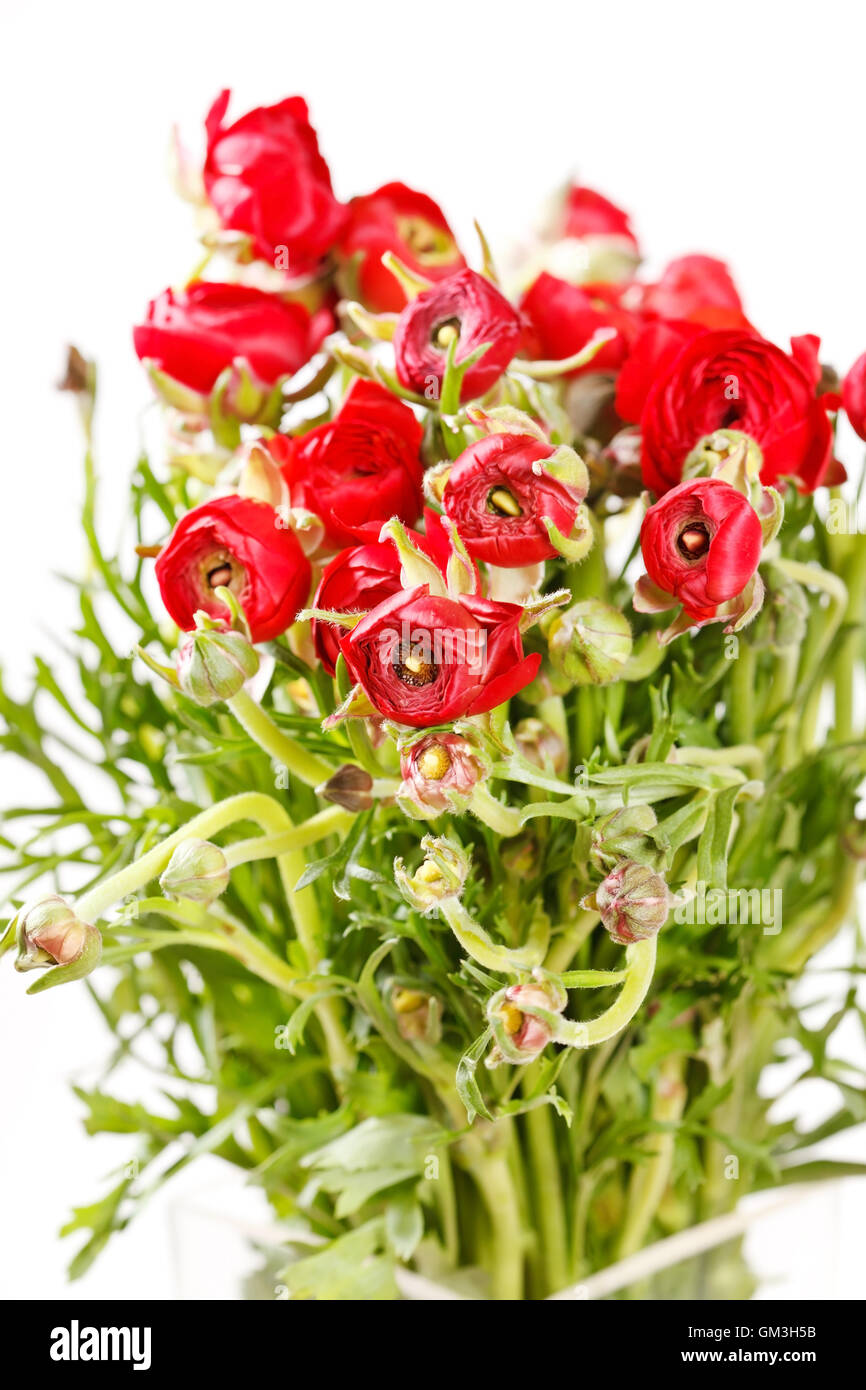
[734, 129]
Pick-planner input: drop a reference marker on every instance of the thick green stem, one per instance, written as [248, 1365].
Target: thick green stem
[650, 1179]
[847, 656]
[742, 703]
[262, 729]
[505, 820]
[493, 1177]
[333, 821]
[547, 1192]
[640, 964]
[564, 948]
[477, 944]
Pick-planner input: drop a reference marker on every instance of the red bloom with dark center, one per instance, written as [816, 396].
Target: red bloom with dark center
[394, 218]
[498, 497]
[701, 543]
[264, 176]
[194, 334]
[465, 305]
[239, 544]
[425, 660]
[854, 396]
[357, 580]
[363, 466]
[561, 318]
[590, 214]
[736, 380]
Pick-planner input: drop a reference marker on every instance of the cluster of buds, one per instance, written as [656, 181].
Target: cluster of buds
[48, 933]
[524, 1019]
[439, 877]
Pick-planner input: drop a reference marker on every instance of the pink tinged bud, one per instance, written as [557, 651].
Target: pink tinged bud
[49, 933]
[633, 902]
[541, 745]
[436, 768]
[516, 1015]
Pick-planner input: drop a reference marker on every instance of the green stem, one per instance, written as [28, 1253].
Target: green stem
[565, 947]
[494, 1180]
[548, 1195]
[333, 821]
[742, 706]
[477, 944]
[846, 660]
[505, 820]
[640, 963]
[650, 1179]
[263, 731]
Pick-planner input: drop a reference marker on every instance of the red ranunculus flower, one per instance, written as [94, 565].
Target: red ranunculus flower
[854, 396]
[264, 176]
[363, 466]
[696, 288]
[561, 318]
[590, 214]
[239, 544]
[736, 380]
[498, 495]
[362, 576]
[701, 543]
[394, 218]
[192, 335]
[465, 304]
[424, 660]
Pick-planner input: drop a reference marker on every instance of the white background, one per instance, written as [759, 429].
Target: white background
[735, 129]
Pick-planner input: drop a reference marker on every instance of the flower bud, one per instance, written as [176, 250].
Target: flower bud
[541, 745]
[439, 772]
[418, 1015]
[214, 663]
[197, 871]
[441, 876]
[350, 786]
[625, 834]
[49, 933]
[522, 1019]
[590, 642]
[731, 450]
[633, 902]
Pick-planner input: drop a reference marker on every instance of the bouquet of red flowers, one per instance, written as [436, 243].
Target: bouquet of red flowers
[481, 735]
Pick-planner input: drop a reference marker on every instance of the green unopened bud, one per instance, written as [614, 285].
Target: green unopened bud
[213, 664]
[590, 642]
[48, 933]
[781, 624]
[633, 902]
[441, 875]
[541, 745]
[625, 834]
[196, 871]
[728, 452]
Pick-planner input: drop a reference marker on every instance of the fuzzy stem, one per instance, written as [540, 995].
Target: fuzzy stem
[640, 964]
[333, 821]
[263, 731]
[477, 944]
[505, 820]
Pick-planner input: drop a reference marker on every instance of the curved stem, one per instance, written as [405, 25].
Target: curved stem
[271, 739]
[477, 944]
[640, 964]
[333, 821]
[505, 820]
